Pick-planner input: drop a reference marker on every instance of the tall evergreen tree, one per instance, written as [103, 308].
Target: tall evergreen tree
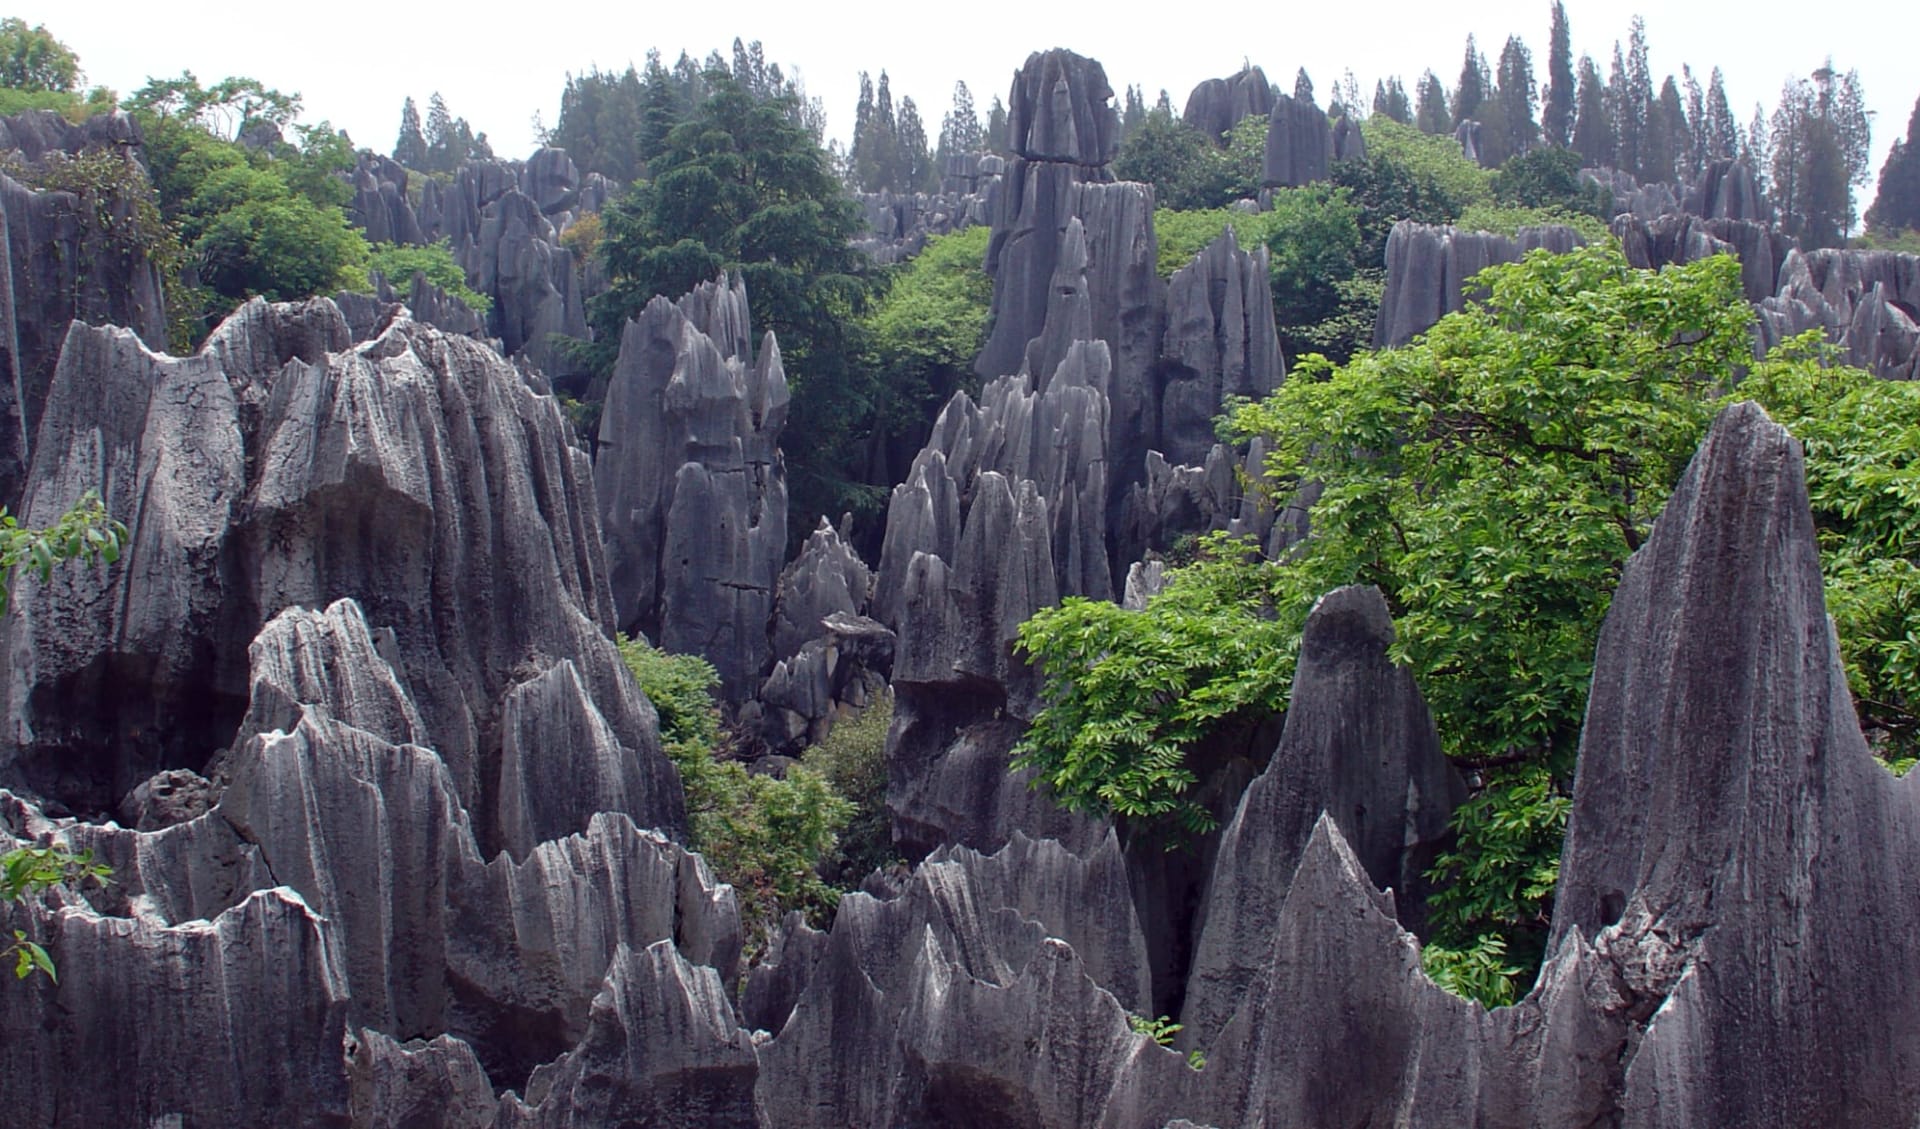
[1135, 111]
[1556, 118]
[916, 172]
[1390, 99]
[1821, 141]
[1515, 95]
[1666, 135]
[1896, 203]
[1722, 130]
[1346, 98]
[410, 148]
[1593, 136]
[997, 126]
[1756, 149]
[960, 128]
[1633, 100]
[1303, 87]
[1472, 90]
[1431, 113]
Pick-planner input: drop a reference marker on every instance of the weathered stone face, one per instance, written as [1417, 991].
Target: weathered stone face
[1428, 268]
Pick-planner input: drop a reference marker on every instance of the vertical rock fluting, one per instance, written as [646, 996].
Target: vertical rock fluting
[1218, 104]
[1221, 340]
[1866, 302]
[1299, 144]
[64, 259]
[1428, 268]
[417, 473]
[692, 487]
[1358, 745]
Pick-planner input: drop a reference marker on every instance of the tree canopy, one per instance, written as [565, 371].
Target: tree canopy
[1578, 388]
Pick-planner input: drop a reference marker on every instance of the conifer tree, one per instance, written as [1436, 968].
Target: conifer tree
[1722, 129]
[1302, 88]
[1469, 95]
[410, 148]
[960, 128]
[1431, 113]
[916, 172]
[1593, 136]
[1556, 118]
[1390, 99]
[997, 125]
[1896, 203]
[1515, 97]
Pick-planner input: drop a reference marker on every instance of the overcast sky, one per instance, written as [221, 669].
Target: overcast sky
[498, 64]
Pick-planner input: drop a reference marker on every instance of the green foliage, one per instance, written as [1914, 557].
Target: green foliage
[1479, 971]
[1579, 388]
[922, 333]
[742, 184]
[26, 871]
[1434, 160]
[400, 262]
[66, 103]
[115, 199]
[1550, 178]
[32, 59]
[1187, 170]
[1182, 235]
[1905, 240]
[1508, 220]
[853, 761]
[766, 836]
[1162, 1031]
[84, 533]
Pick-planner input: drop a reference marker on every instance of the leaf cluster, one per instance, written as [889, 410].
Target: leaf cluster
[25, 871]
[400, 262]
[84, 533]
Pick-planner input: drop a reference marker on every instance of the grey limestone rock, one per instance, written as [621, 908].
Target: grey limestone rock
[1359, 745]
[1681, 237]
[692, 486]
[418, 473]
[827, 577]
[1218, 104]
[59, 265]
[1061, 109]
[419, 1084]
[661, 1049]
[168, 798]
[380, 205]
[1866, 302]
[1349, 144]
[1299, 144]
[1428, 268]
[1221, 340]
[35, 133]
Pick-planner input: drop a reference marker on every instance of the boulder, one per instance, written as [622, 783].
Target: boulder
[1218, 104]
[1299, 144]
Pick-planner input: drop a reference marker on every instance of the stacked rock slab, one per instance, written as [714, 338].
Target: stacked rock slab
[1866, 302]
[1428, 268]
[692, 487]
[1218, 104]
[827, 652]
[417, 473]
[385, 920]
[61, 264]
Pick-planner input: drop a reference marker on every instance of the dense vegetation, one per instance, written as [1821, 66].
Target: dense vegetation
[773, 838]
[1579, 388]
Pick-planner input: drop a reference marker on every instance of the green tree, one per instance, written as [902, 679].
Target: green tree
[1593, 133]
[1578, 389]
[32, 59]
[410, 147]
[1550, 178]
[1475, 81]
[1896, 203]
[742, 185]
[1556, 118]
[960, 131]
[1187, 171]
[1390, 100]
[1821, 141]
[400, 262]
[1430, 112]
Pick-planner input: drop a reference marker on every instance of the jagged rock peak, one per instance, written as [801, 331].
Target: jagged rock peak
[1221, 340]
[1218, 104]
[1061, 109]
[1428, 268]
[35, 133]
[1299, 144]
[1360, 746]
[691, 482]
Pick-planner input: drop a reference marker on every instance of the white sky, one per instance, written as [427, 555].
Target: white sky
[497, 64]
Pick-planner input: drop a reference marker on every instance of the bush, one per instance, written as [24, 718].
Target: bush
[766, 836]
[399, 263]
[853, 760]
[1507, 219]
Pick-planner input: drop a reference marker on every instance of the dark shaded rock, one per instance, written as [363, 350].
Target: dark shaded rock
[1359, 745]
[1678, 237]
[827, 577]
[776, 981]
[60, 265]
[1729, 822]
[1349, 144]
[418, 473]
[551, 180]
[201, 1023]
[1428, 268]
[661, 1049]
[167, 798]
[421, 1084]
[1218, 104]
[1221, 340]
[691, 483]
[1299, 144]
[35, 133]
[949, 1005]
[380, 205]
[1061, 109]
[1725, 190]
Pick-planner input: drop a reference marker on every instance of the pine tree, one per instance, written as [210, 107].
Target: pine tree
[1556, 119]
[916, 161]
[1472, 91]
[997, 139]
[1135, 112]
[1821, 139]
[660, 111]
[1722, 129]
[860, 155]
[1631, 87]
[1593, 136]
[410, 148]
[1896, 203]
[1302, 88]
[1390, 99]
[1431, 114]
[1346, 98]
[1515, 95]
[960, 129]
[1666, 135]
[1756, 149]
[440, 137]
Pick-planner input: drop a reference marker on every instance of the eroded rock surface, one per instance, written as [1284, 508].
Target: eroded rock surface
[1428, 268]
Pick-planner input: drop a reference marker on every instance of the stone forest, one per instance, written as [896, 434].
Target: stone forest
[1299, 610]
